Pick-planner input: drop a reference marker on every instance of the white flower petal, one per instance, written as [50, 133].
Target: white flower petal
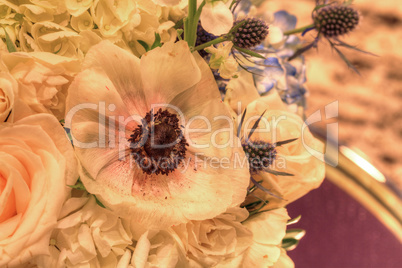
[216, 18]
[175, 69]
[117, 65]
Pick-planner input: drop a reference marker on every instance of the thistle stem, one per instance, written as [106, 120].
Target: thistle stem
[298, 30]
[212, 42]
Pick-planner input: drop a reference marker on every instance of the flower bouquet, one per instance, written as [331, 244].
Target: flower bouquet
[159, 133]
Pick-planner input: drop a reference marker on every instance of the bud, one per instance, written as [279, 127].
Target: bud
[333, 21]
[251, 33]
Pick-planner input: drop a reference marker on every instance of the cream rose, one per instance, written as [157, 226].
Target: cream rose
[211, 241]
[36, 164]
[43, 80]
[7, 88]
[268, 229]
[158, 249]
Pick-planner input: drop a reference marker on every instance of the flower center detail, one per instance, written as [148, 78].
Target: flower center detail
[260, 154]
[158, 145]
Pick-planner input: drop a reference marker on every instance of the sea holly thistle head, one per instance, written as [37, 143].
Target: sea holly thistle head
[331, 21]
[250, 32]
[335, 20]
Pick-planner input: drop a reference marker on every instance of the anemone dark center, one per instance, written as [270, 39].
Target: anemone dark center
[260, 154]
[158, 146]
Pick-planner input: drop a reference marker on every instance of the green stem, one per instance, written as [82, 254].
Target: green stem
[212, 42]
[192, 9]
[186, 29]
[298, 30]
[196, 18]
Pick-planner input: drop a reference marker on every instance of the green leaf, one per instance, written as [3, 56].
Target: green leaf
[58, 50]
[294, 220]
[143, 44]
[249, 52]
[10, 45]
[253, 188]
[179, 34]
[78, 185]
[178, 24]
[99, 202]
[157, 42]
[295, 233]
[292, 238]
[289, 243]
[252, 204]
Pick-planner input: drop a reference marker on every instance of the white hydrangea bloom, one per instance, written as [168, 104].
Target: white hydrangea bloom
[82, 22]
[111, 16]
[214, 241]
[53, 38]
[78, 7]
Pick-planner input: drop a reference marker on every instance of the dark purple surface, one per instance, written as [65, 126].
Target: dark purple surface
[341, 233]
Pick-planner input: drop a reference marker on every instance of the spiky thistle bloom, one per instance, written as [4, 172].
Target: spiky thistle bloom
[251, 32]
[331, 21]
[285, 161]
[335, 20]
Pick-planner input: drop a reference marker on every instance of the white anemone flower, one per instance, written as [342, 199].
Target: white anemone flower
[153, 136]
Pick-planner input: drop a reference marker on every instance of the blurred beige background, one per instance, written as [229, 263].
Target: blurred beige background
[370, 114]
